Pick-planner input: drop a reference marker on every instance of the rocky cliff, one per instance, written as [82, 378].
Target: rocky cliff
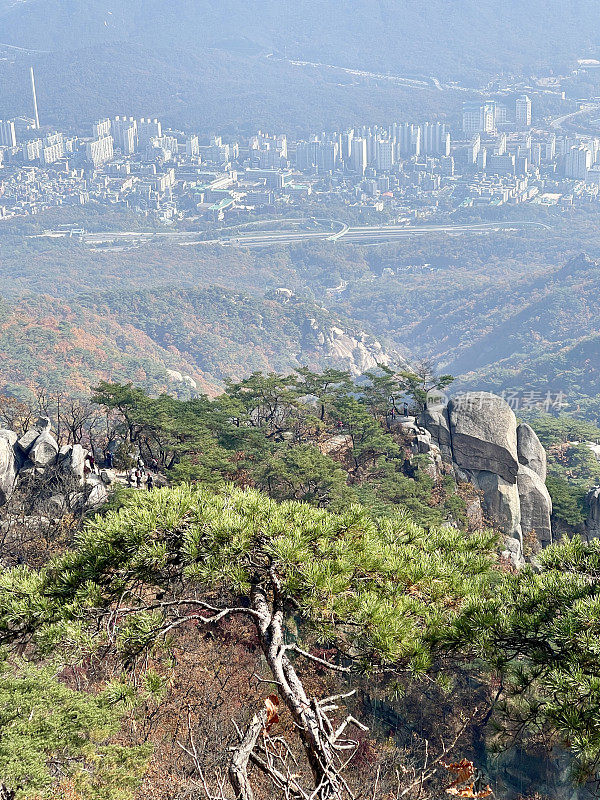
[37, 454]
[477, 437]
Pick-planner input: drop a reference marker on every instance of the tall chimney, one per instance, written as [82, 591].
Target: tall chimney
[35, 107]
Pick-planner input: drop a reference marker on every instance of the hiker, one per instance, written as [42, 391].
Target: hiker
[149, 482]
[406, 409]
[110, 460]
[138, 478]
[140, 465]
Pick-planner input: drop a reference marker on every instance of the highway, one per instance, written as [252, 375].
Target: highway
[364, 234]
[558, 123]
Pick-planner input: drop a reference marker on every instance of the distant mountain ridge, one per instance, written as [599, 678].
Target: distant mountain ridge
[458, 39]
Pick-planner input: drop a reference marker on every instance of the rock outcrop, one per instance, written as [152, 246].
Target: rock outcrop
[530, 451]
[483, 433]
[592, 525]
[44, 450]
[36, 453]
[478, 437]
[8, 464]
[536, 506]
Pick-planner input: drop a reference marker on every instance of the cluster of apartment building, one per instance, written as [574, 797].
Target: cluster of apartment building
[409, 169]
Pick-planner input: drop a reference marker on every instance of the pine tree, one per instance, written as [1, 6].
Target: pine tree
[372, 591]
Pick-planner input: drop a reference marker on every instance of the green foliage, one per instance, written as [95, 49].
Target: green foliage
[50, 732]
[572, 467]
[275, 432]
[384, 582]
[304, 473]
[540, 634]
[568, 499]
[553, 430]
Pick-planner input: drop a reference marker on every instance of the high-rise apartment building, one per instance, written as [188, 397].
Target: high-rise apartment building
[53, 148]
[359, 155]
[577, 162]
[101, 128]
[8, 136]
[409, 139]
[100, 150]
[523, 111]
[32, 150]
[436, 139]
[125, 134]
[385, 156]
[347, 139]
[148, 129]
[328, 154]
[306, 154]
[192, 147]
[479, 117]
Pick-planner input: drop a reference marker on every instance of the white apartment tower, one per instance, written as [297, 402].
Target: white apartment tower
[385, 155]
[577, 163]
[359, 155]
[125, 134]
[409, 139]
[8, 136]
[100, 150]
[101, 128]
[192, 147]
[148, 129]
[436, 139]
[479, 118]
[523, 111]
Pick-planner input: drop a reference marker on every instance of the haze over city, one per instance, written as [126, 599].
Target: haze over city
[299, 400]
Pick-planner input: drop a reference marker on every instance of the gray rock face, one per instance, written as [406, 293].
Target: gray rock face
[438, 425]
[530, 451]
[592, 524]
[29, 457]
[10, 436]
[72, 460]
[478, 434]
[422, 443]
[108, 476]
[483, 430]
[44, 450]
[501, 502]
[27, 440]
[8, 465]
[97, 496]
[536, 505]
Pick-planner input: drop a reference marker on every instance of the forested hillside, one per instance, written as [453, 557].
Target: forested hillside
[514, 310]
[304, 593]
[204, 334]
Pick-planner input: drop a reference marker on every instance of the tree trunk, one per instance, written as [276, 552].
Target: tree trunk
[315, 738]
[238, 768]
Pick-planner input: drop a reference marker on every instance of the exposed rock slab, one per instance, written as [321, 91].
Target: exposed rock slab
[530, 450]
[44, 450]
[438, 425]
[592, 524]
[72, 460]
[8, 465]
[483, 431]
[536, 505]
[501, 502]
